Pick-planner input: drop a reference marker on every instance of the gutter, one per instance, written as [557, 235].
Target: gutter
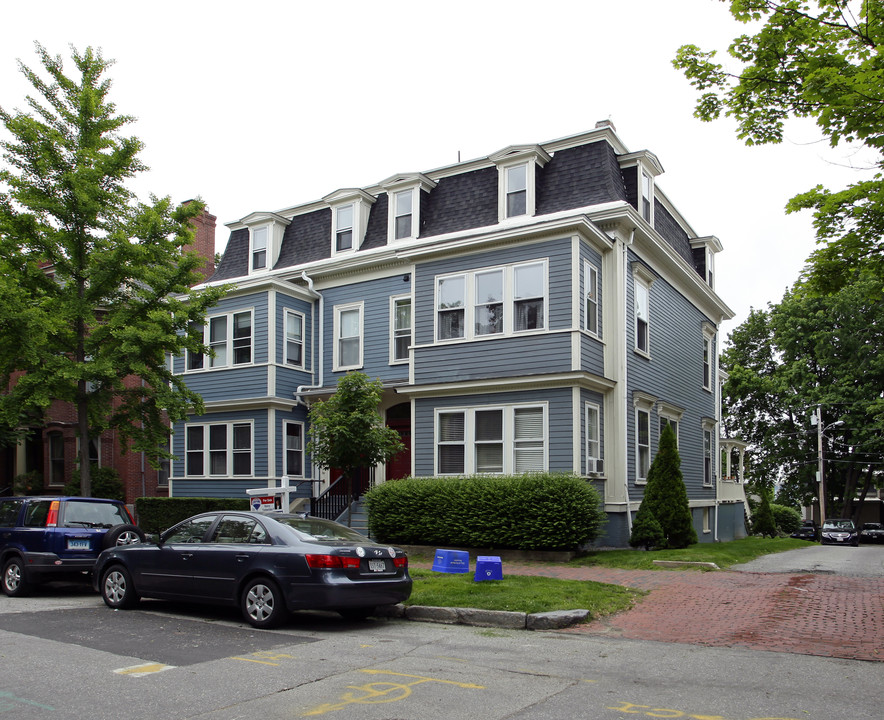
[321, 355]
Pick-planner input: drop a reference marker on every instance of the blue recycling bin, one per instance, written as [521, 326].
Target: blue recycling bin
[488, 567]
[451, 561]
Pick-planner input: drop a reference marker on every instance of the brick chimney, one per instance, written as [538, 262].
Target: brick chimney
[204, 242]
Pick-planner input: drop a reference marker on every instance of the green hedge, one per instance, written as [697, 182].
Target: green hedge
[157, 514]
[788, 519]
[523, 512]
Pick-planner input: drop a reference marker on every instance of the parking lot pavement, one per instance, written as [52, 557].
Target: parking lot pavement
[825, 615]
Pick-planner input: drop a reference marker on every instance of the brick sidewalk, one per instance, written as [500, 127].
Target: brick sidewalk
[826, 615]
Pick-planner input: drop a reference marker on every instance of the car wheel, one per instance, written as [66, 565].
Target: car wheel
[15, 582]
[356, 613]
[122, 535]
[117, 588]
[262, 603]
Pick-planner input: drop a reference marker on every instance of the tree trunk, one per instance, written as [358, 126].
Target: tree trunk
[83, 431]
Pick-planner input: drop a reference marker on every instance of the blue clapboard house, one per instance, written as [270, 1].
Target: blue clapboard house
[542, 308]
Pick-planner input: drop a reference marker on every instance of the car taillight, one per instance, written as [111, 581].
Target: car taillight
[52, 517]
[401, 562]
[331, 561]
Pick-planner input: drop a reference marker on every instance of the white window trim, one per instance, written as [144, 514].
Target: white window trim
[394, 301]
[708, 426]
[509, 439]
[417, 184]
[285, 339]
[208, 362]
[594, 463]
[673, 414]
[642, 402]
[361, 202]
[590, 269]
[708, 342]
[252, 249]
[509, 301]
[229, 450]
[336, 359]
[646, 202]
[643, 277]
[533, 157]
[285, 449]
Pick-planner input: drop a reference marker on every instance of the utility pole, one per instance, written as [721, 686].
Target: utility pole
[822, 479]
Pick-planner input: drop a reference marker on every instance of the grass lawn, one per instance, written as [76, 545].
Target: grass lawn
[541, 594]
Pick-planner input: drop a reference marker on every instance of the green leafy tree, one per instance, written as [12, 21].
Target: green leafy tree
[816, 59]
[646, 531]
[346, 431]
[805, 353]
[763, 522]
[666, 495]
[95, 285]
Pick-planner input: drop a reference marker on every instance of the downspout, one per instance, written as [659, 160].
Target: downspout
[321, 354]
[623, 374]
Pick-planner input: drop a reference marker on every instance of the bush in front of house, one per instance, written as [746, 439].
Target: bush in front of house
[157, 514]
[646, 530]
[763, 522]
[543, 511]
[105, 483]
[787, 519]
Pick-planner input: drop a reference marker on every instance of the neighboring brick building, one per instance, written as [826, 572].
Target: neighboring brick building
[51, 450]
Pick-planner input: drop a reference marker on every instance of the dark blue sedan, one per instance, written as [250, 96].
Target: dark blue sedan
[268, 565]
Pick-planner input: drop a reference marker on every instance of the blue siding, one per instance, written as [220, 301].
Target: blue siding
[288, 378]
[236, 383]
[375, 296]
[673, 374]
[530, 354]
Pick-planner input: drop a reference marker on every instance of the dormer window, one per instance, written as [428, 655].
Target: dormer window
[266, 231]
[517, 188]
[259, 248]
[641, 170]
[350, 209]
[647, 202]
[704, 251]
[403, 202]
[344, 228]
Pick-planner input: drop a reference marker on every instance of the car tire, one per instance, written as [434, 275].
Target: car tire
[122, 535]
[117, 588]
[262, 603]
[15, 580]
[360, 613]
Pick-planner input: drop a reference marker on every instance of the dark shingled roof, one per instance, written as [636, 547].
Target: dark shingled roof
[579, 176]
[306, 239]
[461, 202]
[235, 261]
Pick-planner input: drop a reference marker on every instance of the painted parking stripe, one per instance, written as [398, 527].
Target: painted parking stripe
[144, 669]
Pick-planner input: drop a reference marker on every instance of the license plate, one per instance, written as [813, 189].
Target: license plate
[78, 544]
[377, 565]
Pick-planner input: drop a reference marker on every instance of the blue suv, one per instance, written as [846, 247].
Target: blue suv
[56, 538]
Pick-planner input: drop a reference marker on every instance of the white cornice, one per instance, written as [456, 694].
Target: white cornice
[485, 386]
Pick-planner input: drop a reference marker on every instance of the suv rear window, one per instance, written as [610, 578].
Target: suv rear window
[79, 513]
[37, 513]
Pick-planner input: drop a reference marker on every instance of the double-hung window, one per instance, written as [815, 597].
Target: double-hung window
[259, 248]
[642, 280]
[708, 355]
[451, 306]
[294, 338]
[528, 296]
[218, 449]
[516, 190]
[707, 457]
[401, 323]
[344, 228]
[230, 340]
[493, 440]
[593, 439]
[488, 311]
[492, 301]
[402, 214]
[642, 444]
[591, 298]
[348, 336]
[294, 449]
[647, 197]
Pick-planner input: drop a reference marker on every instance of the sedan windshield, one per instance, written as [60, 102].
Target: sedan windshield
[319, 529]
[838, 525]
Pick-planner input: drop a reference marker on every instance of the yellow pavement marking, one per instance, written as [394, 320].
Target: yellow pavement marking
[145, 669]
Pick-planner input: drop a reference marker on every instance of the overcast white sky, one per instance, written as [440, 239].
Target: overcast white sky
[266, 104]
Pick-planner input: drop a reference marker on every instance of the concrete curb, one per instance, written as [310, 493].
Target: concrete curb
[685, 563]
[554, 620]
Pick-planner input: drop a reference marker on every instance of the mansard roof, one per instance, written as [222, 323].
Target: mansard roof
[582, 171]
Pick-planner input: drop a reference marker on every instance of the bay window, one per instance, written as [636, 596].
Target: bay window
[218, 449]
